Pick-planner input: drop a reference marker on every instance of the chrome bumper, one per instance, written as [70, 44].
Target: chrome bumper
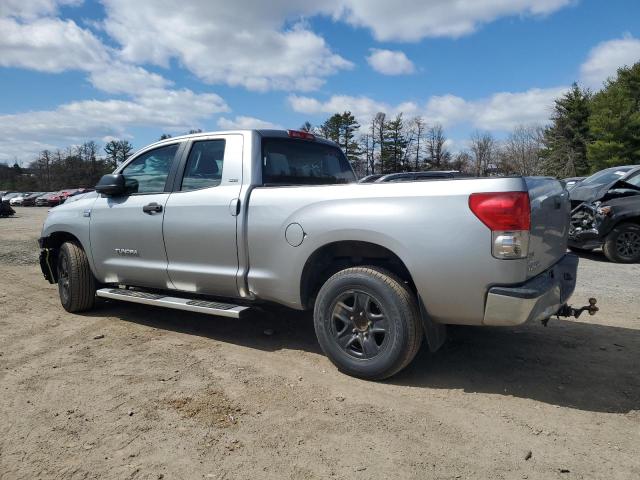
[537, 299]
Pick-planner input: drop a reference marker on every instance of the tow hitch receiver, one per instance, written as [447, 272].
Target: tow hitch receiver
[569, 311]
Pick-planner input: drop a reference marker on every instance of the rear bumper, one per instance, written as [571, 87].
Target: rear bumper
[537, 299]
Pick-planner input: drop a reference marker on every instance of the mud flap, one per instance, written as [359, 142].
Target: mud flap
[435, 333]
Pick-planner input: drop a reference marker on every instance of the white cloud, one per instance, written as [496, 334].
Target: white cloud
[240, 43]
[49, 45]
[413, 20]
[363, 108]
[119, 77]
[24, 134]
[501, 111]
[390, 62]
[241, 123]
[605, 59]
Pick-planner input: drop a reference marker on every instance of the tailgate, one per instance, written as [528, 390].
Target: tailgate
[550, 212]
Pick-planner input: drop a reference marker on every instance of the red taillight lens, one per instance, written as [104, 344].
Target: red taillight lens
[502, 210]
[301, 134]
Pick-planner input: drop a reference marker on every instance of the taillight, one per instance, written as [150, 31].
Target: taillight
[508, 216]
[301, 134]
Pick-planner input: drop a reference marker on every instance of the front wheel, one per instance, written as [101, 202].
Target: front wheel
[76, 284]
[367, 322]
[622, 245]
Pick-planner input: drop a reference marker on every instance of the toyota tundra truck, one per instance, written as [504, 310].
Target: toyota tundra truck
[219, 223]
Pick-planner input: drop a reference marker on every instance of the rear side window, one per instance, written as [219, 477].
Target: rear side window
[204, 165]
[301, 162]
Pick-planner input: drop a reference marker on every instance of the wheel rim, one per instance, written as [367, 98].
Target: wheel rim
[359, 325]
[628, 244]
[63, 277]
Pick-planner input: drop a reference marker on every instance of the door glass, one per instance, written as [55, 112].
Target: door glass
[204, 165]
[148, 173]
[635, 180]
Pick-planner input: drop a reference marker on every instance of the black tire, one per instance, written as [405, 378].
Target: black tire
[622, 245]
[367, 322]
[76, 284]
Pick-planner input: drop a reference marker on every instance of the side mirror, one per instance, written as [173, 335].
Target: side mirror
[111, 185]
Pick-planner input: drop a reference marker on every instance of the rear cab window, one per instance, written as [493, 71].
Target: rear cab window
[288, 161]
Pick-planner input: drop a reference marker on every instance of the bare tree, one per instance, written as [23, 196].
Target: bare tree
[414, 135]
[437, 154]
[463, 162]
[482, 146]
[378, 128]
[521, 151]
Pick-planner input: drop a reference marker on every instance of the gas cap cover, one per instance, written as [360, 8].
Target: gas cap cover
[294, 234]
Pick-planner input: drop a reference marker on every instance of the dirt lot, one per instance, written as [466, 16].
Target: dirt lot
[134, 392]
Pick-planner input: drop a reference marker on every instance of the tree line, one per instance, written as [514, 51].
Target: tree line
[395, 144]
[588, 131]
[73, 167]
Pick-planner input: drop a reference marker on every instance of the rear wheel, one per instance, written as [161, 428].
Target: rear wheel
[367, 322]
[76, 284]
[622, 245]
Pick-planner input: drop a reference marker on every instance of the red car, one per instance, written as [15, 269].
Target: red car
[55, 198]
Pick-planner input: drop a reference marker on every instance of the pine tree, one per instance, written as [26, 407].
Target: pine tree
[393, 145]
[566, 139]
[347, 137]
[615, 121]
[330, 129]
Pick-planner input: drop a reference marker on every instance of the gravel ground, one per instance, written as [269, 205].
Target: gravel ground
[132, 392]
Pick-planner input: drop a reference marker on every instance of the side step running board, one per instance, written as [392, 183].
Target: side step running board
[177, 303]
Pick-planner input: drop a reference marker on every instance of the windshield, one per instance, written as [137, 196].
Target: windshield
[606, 176]
[300, 162]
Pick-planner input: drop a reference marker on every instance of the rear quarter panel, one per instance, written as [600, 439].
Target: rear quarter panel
[428, 225]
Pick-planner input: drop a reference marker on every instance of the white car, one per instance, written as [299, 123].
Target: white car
[17, 200]
[10, 196]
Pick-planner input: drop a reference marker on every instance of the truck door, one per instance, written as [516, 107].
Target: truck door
[126, 231]
[200, 217]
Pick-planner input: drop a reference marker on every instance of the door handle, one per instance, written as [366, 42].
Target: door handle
[152, 208]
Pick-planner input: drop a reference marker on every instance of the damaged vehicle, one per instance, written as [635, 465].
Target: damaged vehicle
[611, 183]
[609, 215]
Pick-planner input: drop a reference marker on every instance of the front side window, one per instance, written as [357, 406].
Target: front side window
[148, 173]
[634, 180]
[204, 165]
[300, 162]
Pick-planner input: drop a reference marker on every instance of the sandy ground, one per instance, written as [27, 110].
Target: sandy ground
[129, 391]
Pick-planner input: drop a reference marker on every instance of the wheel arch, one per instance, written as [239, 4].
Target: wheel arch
[334, 256]
[51, 246]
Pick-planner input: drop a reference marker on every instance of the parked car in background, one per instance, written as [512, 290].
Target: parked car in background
[421, 176]
[370, 178]
[43, 200]
[9, 195]
[30, 200]
[610, 182]
[57, 198]
[607, 214]
[17, 201]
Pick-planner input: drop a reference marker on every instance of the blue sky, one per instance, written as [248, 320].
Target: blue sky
[72, 71]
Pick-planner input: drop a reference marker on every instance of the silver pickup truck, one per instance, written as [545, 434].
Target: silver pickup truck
[219, 222]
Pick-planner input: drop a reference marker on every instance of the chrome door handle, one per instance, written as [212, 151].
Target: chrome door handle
[152, 208]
